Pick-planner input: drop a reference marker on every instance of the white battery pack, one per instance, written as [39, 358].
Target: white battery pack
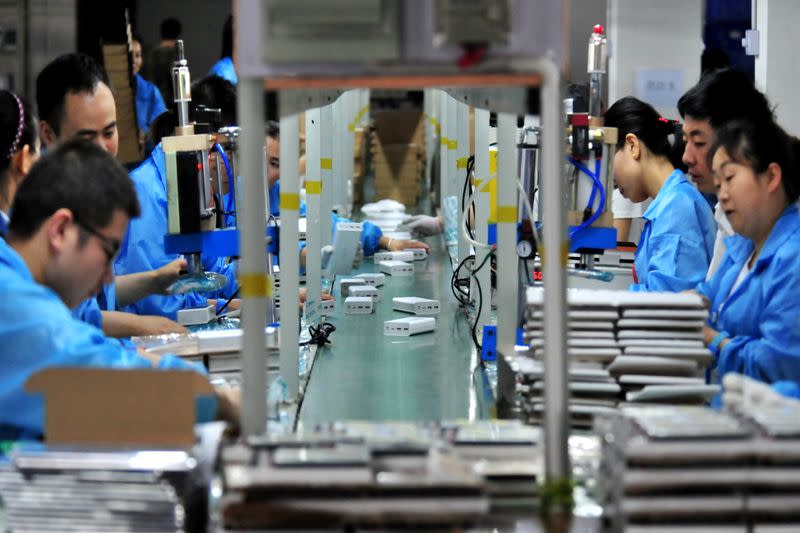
[403, 327]
[326, 307]
[402, 255]
[375, 279]
[367, 291]
[419, 253]
[196, 316]
[418, 306]
[397, 268]
[357, 305]
[346, 283]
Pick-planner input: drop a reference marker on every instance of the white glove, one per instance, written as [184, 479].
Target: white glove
[746, 394]
[424, 225]
[326, 252]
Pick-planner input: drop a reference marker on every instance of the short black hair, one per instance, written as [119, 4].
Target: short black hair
[722, 96]
[631, 115]
[69, 73]
[171, 28]
[273, 129]
[77, 175]
[227, 38]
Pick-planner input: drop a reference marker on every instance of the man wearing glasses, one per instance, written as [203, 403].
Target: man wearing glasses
[74, 100]
[69, 218]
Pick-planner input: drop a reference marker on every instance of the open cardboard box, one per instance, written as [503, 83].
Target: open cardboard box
[119, 407]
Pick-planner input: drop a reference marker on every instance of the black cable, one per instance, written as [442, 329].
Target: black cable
[478, 345]
[470, 168]
[460, 295]
[320, 334]
[225, 305]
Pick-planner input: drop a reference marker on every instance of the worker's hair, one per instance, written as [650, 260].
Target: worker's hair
[77, 175]
[171, 28]
[211, 92]
[724, 95]
[17, 129]
[227, 38]
[273, 129]
[757, 143]
[69, 73]
[631, 115]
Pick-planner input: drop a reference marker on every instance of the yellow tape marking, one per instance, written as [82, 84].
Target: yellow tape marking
[290, 200]
[313, 187]
[256, 285]
[507, 214]
[461, 162]
[326, 163]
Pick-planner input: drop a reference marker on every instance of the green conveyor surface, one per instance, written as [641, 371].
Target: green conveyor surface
[365, 375]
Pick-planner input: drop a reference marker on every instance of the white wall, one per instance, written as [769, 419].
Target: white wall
[654, 34]
[583, 15]
[778, 63]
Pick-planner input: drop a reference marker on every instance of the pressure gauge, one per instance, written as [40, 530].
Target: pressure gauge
[525, 249]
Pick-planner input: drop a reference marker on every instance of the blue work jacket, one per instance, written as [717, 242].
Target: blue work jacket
[149, 103]
[677, 240]
[41, 334]
[762, 315]
[143, 246]
[224, 69]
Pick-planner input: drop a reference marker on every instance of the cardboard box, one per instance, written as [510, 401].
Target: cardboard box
[119, 407]
[398, 127]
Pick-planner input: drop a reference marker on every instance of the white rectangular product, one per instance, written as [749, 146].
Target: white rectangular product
[397, 268]
[367, 291]
[416, 305]
[357, 305]
[326, 307]
[375, 279]
[346, 240]
[402, 255]
[419, 253]
[403, 327]
[198, 315]
[346, 283]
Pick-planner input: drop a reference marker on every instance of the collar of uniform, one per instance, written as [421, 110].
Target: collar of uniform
[10, 257]
[787, 225]
[658, 203]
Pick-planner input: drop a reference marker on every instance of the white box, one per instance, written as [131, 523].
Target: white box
[357, 305]
[367, 291]
[402, 255]
[419, 253]
[418, 306]
[346, 240]
[196, 316]
[397, 268]
[375, 279]
[326, 307]
[403, 327]
[346, 283]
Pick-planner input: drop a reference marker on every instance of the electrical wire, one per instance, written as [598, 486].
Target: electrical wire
[319, 334]
[597, 184]
[224, 158]
[225, 305]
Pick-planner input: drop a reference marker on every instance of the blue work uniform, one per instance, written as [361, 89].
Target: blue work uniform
[149, 103]
[143, 246]
[762, 314]
[224, 69]
[41, 334]
[677, 240]
[3, 223]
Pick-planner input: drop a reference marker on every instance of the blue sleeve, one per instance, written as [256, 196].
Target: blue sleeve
[775, 354]
[157, 106]
[89, 311]
[370, 234]
[790, 389]
[107, 299]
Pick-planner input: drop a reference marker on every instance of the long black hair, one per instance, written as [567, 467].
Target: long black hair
[758, 143]
[17, 128]
[631, 115]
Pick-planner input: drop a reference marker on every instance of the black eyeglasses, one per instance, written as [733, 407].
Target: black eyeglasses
[110, 246]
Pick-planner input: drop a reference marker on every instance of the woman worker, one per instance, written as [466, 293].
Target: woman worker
[754, 320]
[19, 150]
[677, 240]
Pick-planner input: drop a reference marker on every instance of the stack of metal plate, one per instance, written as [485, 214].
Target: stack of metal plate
[47, 490]
[687, 468]
[622, 347]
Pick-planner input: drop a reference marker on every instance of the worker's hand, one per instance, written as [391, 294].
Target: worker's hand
[167, 275]
[157, 325]
[424, 225]
[396, 245]
[229, 403]
[742, 393]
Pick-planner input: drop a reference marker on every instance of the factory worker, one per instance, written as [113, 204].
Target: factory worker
[717, 98]
[753, 327]
[224, 67]
[372, 238]
[677, 240]
[69, 217]
[74, 100]
[19, 150]
[149, 102]
[143, 247]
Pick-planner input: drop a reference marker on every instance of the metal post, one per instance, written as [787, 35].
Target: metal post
[339, 129]
[444, 182]
[452, 144]
[507, 284]
[482, 199]
[254, 283]
[313, 236]
[290, 260]
[351, 110]
[460, 168]
[326, 173]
